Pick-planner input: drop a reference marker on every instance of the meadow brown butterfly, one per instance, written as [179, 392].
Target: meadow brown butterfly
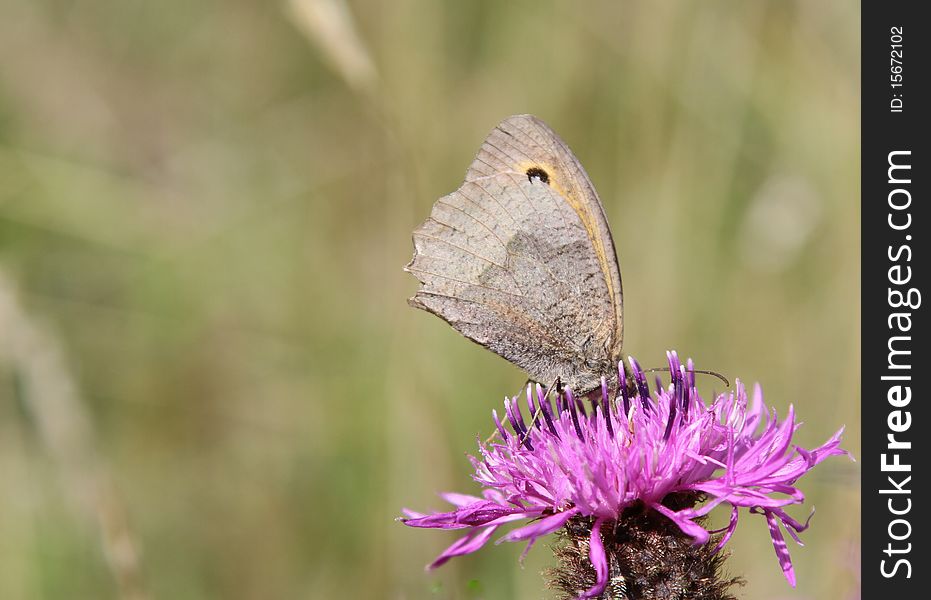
[520, 259]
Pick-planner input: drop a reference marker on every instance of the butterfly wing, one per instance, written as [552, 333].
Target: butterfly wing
[520, 259]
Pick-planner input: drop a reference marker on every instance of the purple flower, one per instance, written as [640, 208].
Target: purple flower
[630, 450]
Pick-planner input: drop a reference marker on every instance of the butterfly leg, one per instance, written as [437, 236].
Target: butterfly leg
[556, 384]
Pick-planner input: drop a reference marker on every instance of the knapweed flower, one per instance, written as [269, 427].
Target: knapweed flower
[631, 470]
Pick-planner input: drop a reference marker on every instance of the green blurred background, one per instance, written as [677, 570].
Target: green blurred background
[211, 385]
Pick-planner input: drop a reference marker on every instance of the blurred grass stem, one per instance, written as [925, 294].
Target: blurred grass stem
[66, 432]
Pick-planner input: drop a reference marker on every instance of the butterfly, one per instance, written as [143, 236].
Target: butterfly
[520, 259]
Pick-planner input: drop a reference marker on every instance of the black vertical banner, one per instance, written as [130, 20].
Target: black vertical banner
[895, 160]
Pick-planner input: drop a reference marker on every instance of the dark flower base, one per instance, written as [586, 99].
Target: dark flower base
[649, 558]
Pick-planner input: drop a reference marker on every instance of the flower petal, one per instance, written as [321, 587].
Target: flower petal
[467, 544]
[731, 527]
[476, 514]
[779, 544]
[682, 518]
[459, 499]
[599, 560]
[544, 526]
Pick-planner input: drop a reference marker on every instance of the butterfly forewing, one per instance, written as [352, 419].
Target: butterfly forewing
[520, 259]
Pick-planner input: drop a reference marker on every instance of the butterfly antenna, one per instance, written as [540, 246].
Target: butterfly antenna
[702, 371]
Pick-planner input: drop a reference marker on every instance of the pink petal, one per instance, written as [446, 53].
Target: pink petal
[477, 514]
[544, 526]
[731, 527]
[779, 544]
[599, 560]
[699, 534]
[459, 499]
[467, 544]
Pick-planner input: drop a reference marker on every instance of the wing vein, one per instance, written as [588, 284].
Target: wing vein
[413, 269]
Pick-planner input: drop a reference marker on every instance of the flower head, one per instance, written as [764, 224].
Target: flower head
[632, 449]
